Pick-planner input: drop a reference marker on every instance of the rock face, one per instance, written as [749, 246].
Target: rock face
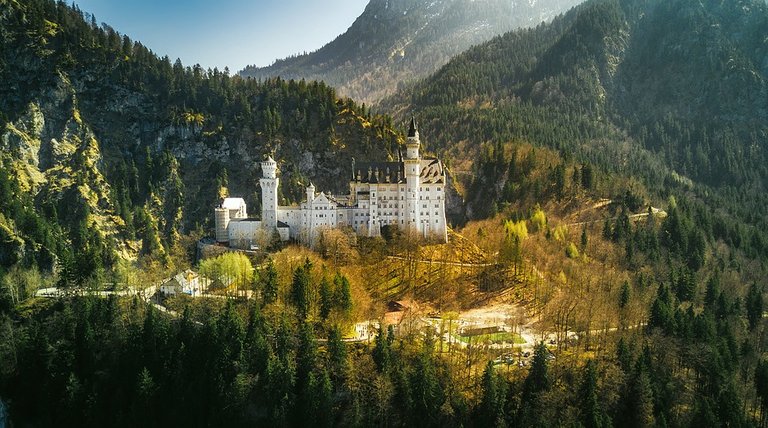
[56, 157]
[397, 41]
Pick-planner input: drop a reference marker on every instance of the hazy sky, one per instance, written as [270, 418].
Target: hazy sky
[234, 33]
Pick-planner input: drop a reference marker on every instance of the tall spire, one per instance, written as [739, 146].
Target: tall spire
[412, 131]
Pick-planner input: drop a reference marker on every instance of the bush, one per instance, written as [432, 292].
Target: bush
[571, 251]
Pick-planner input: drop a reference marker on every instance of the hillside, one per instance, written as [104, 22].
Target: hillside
[673, 93]
[397, 41]
[101, 136]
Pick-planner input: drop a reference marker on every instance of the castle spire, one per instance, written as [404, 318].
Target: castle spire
[412, 131]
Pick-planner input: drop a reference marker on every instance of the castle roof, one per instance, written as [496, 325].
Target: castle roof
[394, 172]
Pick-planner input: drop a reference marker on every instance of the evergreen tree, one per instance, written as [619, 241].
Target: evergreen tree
[342, 294]
[337, 357]
[269, 284]
[426, 389]
[637, 408]
[491, 409]
[536, 383]
[624, 295]
[381, 351]
[754, 305]
[306, 355]
[623, 355]
[592, 415]
[761, 387]
[300, 289]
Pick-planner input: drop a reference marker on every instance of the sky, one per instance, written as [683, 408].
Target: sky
[233, 33]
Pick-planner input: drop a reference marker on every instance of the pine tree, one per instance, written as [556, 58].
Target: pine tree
[592, 415]
[491, 408]
[624, 296]
[537, 382]
[342, 294]
[381, 352]
[306, 355]
[300, 289]
[754, 305]
[269, 284]
[337, 357]
[637, 401]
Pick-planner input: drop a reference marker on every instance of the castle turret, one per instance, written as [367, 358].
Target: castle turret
[269, 185]
[310, 194]
[412, 165]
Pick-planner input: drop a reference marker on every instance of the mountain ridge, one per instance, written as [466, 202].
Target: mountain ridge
[396, 41]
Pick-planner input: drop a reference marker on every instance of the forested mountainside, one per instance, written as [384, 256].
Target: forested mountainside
[618, 231]
[396, 41]
[673, 92]
[105, 145]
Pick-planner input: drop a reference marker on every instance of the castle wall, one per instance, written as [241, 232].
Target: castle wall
[245, 233]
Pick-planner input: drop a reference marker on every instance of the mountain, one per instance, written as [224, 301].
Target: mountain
[673, 92]
[397, 41]
[107, 146]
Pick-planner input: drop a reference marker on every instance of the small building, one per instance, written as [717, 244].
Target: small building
[187, 282]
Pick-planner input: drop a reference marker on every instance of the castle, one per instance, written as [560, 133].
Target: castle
[406, 195]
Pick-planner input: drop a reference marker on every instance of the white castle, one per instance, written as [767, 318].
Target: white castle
[408, 195]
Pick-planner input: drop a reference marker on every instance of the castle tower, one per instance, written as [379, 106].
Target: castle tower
[269, 185]
[412, 165]
[222, 221]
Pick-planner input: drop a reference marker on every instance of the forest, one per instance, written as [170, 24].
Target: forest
[631, 237]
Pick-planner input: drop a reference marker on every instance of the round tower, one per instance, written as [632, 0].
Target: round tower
[269, 185]
[221, 219]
